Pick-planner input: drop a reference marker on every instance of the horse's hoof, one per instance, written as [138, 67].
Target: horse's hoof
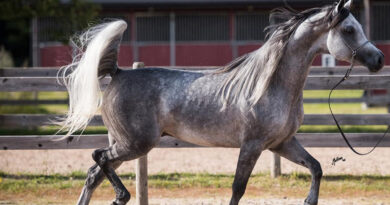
[115, 202]
[309, 202]
[122, 198]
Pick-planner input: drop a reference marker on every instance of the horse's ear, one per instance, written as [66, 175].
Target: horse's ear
[339, 6]
[349, 5]
[340, 12]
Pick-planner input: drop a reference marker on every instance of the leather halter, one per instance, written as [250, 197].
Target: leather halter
[343, 14]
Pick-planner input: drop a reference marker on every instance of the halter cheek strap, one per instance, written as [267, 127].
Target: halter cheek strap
[344, 13]
[354, 53]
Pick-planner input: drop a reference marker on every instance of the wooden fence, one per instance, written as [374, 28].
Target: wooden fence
[52, 72]
[43, 79]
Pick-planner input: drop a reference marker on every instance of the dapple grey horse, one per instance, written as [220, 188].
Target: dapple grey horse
[254, 103]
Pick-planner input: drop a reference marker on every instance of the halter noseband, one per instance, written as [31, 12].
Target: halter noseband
[342, 15]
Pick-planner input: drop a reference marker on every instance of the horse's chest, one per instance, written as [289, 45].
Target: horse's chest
[281, 124]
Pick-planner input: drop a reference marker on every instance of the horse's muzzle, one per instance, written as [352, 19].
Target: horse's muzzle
[373, 62]
[379, 62]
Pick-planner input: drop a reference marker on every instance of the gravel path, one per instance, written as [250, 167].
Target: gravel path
[196, 201]
[211, 160]
[219, 201]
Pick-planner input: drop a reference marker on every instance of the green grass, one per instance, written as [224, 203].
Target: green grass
[298, 182]
[33, 109]
[346, 108]
[65, 189]
[50, 130]
[335, 94]
[31, 95]
[346, 128]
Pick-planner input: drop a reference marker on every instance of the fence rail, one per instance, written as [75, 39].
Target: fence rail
[35, 120]
[34, 102]
[66, 101]
[39, 82]
[43, 142]
[12, 84]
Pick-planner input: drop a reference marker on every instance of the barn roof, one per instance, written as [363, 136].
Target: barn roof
[210, 3]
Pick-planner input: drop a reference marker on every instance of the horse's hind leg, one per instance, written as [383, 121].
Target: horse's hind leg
[94, 178]
[294, 152]
[106, 158]
[249, 153]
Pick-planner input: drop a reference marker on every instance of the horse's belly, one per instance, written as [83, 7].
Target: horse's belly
[209, 139]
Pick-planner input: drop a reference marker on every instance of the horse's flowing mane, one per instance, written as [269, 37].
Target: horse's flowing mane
[249, 75]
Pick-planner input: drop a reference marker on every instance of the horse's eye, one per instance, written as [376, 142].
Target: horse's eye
[349, 29]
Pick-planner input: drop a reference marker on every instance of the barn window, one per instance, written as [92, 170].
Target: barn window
[152, 28]
[202, 28]
[52, 30]
[380, 29]
[250, 27]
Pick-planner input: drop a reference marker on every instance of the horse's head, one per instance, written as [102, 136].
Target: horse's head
[346, 38]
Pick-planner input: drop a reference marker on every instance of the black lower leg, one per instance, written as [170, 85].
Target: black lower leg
[95, 177]
[294, 152]
[249, 153]
[105, 159]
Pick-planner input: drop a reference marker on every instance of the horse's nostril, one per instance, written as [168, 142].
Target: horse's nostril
[380, 60]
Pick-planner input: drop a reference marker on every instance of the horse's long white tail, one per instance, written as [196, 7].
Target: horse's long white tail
[97, 48]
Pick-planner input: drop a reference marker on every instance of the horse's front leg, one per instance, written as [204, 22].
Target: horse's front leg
[294, 152]
[249, 153]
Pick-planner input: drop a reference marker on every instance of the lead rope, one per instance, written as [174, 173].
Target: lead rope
[331, 111]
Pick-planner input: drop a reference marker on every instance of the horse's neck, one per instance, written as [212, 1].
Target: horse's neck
[304, 45]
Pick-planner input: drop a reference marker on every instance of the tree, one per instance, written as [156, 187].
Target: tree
[16, 15]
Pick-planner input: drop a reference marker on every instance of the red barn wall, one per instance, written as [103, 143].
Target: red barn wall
[187, 54]
[203, 54]
[154, 55]
[55, 55]
[125, 56]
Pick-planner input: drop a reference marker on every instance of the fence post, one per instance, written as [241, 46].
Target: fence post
[275, 165]
[35, 49]
[141, 178]
[141, 169]
[367, 19]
